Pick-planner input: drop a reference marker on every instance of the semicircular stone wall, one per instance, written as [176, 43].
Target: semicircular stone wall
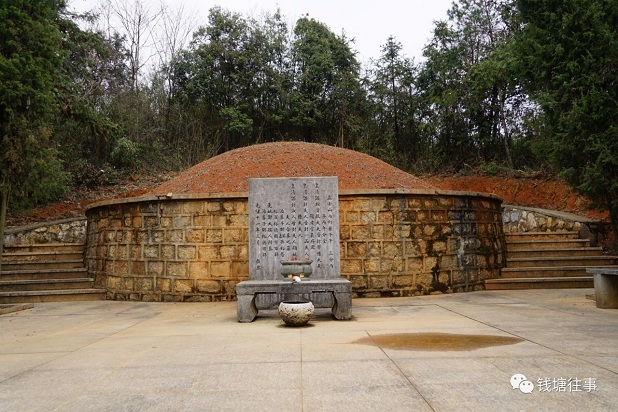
[393, 243]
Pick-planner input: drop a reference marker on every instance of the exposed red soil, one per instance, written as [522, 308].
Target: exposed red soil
[229, 172]
[551, 194]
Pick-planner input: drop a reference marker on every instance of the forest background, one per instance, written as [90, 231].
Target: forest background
[505, 85]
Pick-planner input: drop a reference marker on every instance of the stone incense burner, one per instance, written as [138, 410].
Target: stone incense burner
[295, 267]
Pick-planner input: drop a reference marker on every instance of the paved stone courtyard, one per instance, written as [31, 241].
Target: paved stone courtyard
[107, 355]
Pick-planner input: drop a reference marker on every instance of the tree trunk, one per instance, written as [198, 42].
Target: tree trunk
[4, 203]
[613, 217]
[507, 137]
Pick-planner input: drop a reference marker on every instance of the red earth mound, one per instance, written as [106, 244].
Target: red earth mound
[229, 171]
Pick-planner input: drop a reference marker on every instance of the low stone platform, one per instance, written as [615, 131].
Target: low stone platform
[605, 287]
[317, 291]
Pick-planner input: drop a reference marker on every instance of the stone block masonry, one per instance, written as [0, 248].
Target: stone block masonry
[169, 250]
[391, 243]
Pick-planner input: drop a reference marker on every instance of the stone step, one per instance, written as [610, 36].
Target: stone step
[43, 274]
[45, 284]
[540, 262]
[545, 272]
[547, 244]
[539, 283]
[44, 247]
[40, 296]
[42, 265]
[526, 236]
[555, 253]
[48, 256]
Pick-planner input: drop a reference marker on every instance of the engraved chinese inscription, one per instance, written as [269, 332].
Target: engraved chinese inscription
[293, 219]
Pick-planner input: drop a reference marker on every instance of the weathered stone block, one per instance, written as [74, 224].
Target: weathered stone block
[176, 269]
[220, 269]
[368, 217]
[182, 221]
[379, 203]
[392, 249]
[233, 235]
[202, 220]
[239, 220]
[114, 282]
[374, 249]
[439, 216]
[208, 286]
[213, 206]
[208, 252]
[414, 265]
[154, 268]
[350, 216]
[114, 223]
[167, 222]
[228, 251]
[214, 236]
[168, 252]
[240, 268]
[351, 266]
[344, 232]
[138, 268]
[121, 267]
[438, 247]
[164, 284]
[198, 269]
[151, 222]
[193, 207]
[229, 288]
[144, 284]
[183, 285]
[195, 235]
[372, 265]
[171, 298]
[186, 252]
[361, 204]
[379, 282]
[429, 262]
[377, 231]
[151, 297]
[129, 236]
[356, 249]
[405, 281]
[173, 236]
[360, 232]
[386, 217]
[429, 230]
[170, 207]
[345, 204]
[151, 251]
[358, 282]
[243, 252]
[127, 283]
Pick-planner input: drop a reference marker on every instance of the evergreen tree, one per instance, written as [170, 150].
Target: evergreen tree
[29, 65]
[569, 53]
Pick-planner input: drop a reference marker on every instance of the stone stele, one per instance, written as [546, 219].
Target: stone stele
[293, 219]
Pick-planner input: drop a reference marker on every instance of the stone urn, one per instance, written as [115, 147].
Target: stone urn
[300, 268]
[296, 312]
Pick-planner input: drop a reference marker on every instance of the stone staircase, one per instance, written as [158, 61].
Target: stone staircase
[548, 260]
[51, 272]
